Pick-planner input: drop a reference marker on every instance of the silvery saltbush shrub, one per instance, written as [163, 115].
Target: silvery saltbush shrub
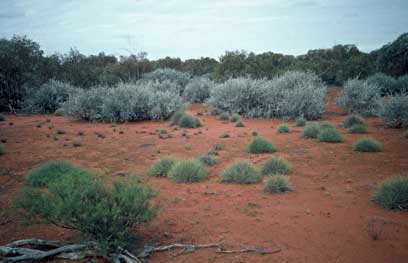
[362, 97]
[395, 111]
[291, 95]
[401, 85]
[48, 98]
[384, 82]
[198, 90]
[165, 74]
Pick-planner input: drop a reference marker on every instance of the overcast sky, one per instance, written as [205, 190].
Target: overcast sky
[191, 29]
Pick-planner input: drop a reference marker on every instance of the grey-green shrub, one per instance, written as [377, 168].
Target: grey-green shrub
[406, 134]
[240, 172]
[357, 128]
[283, 128]
[235, 117]
[360, 96]
[311, 131]
[207, 159]
[395, 111]
[386, 84]
[401, 85]
[188, 171]
[167, 74]
[188, 121]
[352, 120]
[331, 135]
[198, 90]
[291, 95]
[276, 184]
[276, 165]
[224, 116]
[393, 193]
[161, 167]
[239, 123]
[367, 145]
[260, 145]
[300, 121]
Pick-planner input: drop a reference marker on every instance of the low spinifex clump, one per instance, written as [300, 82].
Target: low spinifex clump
[161, 167]
[260, 145]
[235, 117]
[188, 171]
[393, 193]
[188, 121]
[300, 121]
[283, 128]
[208, 159]
[353, 119]
[358, 128]
[311, 131]
[224, 116]
[239, 124]
[276, 184]
[240, 172]
[276, 165]
[367, 145]
[331, 135]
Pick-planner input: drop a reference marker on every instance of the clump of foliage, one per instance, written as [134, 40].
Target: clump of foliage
[161, 167]
[326, 125]
[329, 135]
[260, 145]
[367, 145]
[166, 74]
[224, 116]
[311, 131]
[188, 121]
[276, 184]
[361, 97]
[2, 149]
[188, 171]
[239, 123]
[393, 193]
[235, 117]
[357, 128]
[175, 118]
[254, 133]
[208, 159]
[395, 111]
[352, 120]
[300, 121]
[240, 172]
[283, 128]
[276, 165]
[406, 134]
[78, 201]
[198, 90]
[1, 116]
[386, 84]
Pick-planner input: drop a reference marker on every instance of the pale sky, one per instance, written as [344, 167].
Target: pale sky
[191, 29]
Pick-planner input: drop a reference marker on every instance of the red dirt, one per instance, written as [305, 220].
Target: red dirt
[324, 219]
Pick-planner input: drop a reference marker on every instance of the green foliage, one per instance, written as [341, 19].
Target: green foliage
[260, 145]
[240, 172]
[393, 193]
[395, 111]
[358, 128]
[207, 159]
[188, 121]
[224, 116]
[367, 145]
[80, 202]
[406, 134]
[276, 165]
[1, 116]
[311, 131]
[387, 84]
[161, 167]
[50, 172]
[235, 117]
[329, 135]
[175, 118]
[352, 120]
[2, 149]
[188, 171]
[239, 123]
[300, 121]
[283, 128]
[276, 184]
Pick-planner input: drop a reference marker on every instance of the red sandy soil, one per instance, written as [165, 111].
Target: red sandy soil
[325, 219]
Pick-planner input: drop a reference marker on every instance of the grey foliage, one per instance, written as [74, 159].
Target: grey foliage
[170, 75]
[198, 90]
[395, 111]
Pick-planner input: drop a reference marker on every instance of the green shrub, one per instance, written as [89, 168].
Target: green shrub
[260, 145]
[2, 149]
[51, 171]
[367, 145]
[240, 172]
[406, 134]
[188, 121]
[283, 128]
[352, 120]
[275, 165]
[198, 90]
[188, 171]
[329, 135]
[1, 116]
[98, 214]
[300, 121]
[326, 125]
[393, 193]
[239, 123]
[161, 167]
[311, 131]
[395, 111]
[175, 118]
[358, 128]
[235, 117]
[254, 133]
[224, 116]
[208, 159]
[276, 184]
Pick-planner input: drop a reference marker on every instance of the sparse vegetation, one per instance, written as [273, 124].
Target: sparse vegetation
[276, 165]
[358, 128]
[393, 193]
[367, 145]
[207, 159]
[276, 184]
[225, 135]
[260, 145]
[353, 119]
[188, 171]
[240, 172]
[161, 167]
[283, 128]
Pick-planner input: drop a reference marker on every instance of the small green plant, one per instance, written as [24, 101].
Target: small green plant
[235, 117]
[300, 121]
[240, 172]
[357, 128]
[1, 116]
[188, 171]
[175, 118]
[254, 133]
[224, 116]
[283, 128]
[352, 120]
[367, 145]
[331, 135]
[207, 159]
[276, 184]
[239, 123]
[161, 167]
[2, 149]
[260, 145]
[276, 165]
[406, 134]
[393, 193]
[188, 121]
[311, 131]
